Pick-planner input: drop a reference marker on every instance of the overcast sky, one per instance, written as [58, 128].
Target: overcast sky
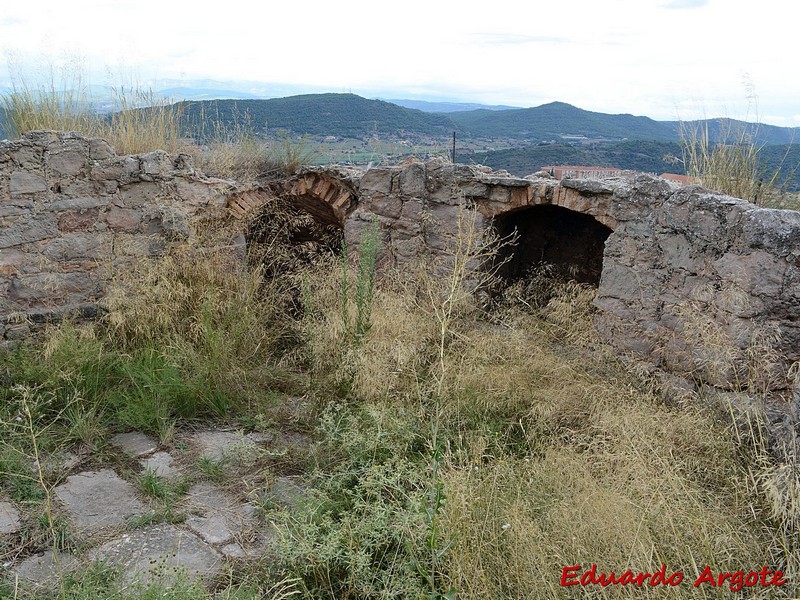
[667, 59]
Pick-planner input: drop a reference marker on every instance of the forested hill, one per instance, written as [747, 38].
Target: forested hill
[345, 115]
[351, 116]
[551, 121]
[730, 130]
[645, 156]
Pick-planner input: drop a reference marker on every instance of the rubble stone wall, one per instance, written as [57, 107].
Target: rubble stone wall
[73, 213]
[680, 266]
[677, 259]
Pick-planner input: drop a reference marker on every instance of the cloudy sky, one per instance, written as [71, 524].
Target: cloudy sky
[667, 59]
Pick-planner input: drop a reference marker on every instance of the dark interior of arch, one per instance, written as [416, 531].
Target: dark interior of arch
[569, 241]
[284, 237]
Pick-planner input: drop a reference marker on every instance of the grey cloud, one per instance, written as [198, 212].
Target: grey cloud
[685, 4]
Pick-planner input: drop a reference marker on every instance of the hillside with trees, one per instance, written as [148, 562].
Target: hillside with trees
[646, 156]
[551, 121]
[345, 115]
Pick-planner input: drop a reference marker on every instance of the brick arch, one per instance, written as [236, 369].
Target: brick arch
[327, 198]
[589, 198]
[246, 204]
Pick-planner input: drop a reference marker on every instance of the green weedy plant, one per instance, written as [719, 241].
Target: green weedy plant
[364, 287]
[365, 283]
[449, 295]
[353, 328]
[27, 430]
[359, 532]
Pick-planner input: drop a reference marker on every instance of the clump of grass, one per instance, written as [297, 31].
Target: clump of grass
[222, 324]
[230, 146]
[211, 468]
[242, 159]
[61, 107]
[291, 156]
[730, 165]
[731, 162]
[231, 151]
[140, 122]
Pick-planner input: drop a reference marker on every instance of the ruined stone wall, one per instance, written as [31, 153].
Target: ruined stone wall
[687, 269]
[72, 214]
[674, 259]
[680, 264]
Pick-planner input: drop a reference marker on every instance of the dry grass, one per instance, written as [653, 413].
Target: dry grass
[244, 159]
[717, 348]
[732, 164]
[542, 450]
[141, 122]
[556, 454]
[566, 459]
[213, 315]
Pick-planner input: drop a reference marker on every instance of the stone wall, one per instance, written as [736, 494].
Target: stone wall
[680, 264]
[72, 213]
[671, 263]
[687, 269]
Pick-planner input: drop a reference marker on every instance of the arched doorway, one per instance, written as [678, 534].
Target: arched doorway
[572, 243]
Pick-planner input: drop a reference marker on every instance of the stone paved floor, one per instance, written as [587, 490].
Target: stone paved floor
[100, 506]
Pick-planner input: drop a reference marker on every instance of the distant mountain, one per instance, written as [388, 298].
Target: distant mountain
[189, 93]
[560, 121]
[645, 156]
[724, 130]
[446, 107]
[344, 115]
[638, 155]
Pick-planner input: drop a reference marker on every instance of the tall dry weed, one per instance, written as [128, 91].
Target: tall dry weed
[206, 309]
[140, 121]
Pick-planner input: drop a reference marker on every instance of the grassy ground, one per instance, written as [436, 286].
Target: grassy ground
[460, 453]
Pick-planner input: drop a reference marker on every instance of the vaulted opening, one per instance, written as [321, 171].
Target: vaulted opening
[571, 243]
[285, 237]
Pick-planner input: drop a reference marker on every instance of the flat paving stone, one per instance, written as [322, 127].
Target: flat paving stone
[9, 518]
[220, 517]
[259, 544]
[42, 571]
[286, 491]
[159, 553]
[97, 499]
[280, 439]
[162, 464]
[134, 443]
[218, 445]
